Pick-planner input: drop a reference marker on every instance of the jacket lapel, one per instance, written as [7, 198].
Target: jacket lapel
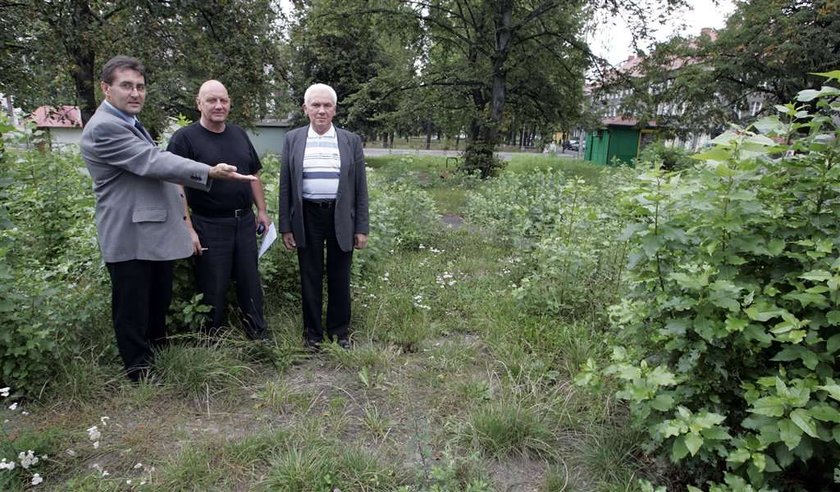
[344, 156]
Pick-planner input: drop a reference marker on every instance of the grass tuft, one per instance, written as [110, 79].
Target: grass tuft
[200, 373]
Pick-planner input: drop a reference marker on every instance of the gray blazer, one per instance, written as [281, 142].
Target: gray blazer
[139, 211]
[351, 201]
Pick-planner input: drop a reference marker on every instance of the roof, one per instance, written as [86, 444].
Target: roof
[61, 117]
[618, 121]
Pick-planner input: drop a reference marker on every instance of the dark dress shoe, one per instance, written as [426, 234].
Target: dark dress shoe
[312, 345]
[345, 343]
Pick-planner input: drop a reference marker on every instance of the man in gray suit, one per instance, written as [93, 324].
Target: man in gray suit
[140, 211]
[323, 204]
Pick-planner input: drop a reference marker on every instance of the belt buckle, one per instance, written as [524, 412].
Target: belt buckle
[239, 212]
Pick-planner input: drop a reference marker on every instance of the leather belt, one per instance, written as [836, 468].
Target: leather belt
[217, 214]
[320, 204]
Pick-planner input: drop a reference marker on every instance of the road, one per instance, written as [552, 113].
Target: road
[373, 152]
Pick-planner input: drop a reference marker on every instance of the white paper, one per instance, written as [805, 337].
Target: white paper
[270, 237]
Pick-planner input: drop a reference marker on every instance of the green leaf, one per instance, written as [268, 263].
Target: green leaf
[833, 390]
[833, 344]
[807, 95]
[834, 74]
[718, 154]
[740, 455]
[833, 317]
[678, 449]
[707, 420]
[661, 377]
[803, 420]
[759, 461]
[763, 312]
[794, 352]
[790, 433]
[808, 299]
[776, 246]
[693, 282]
[816, 275]
[662, 402]
[736, 324]
[825, 412]
[757, 332]
[772, 406]
[693, 442]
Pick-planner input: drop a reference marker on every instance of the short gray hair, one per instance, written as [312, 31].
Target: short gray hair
[307, 96]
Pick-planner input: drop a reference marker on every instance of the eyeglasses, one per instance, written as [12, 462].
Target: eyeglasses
[129, 87]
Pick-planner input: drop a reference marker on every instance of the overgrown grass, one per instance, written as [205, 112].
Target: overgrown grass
[456, 381]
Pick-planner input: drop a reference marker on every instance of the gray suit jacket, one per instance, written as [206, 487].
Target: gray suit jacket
[351, 202]
[139, 211]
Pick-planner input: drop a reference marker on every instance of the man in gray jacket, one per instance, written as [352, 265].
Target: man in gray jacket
[323, 205]
[140, 211]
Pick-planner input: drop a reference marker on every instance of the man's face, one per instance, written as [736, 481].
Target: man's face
[127, 92]
[320, 111]
[213, 103]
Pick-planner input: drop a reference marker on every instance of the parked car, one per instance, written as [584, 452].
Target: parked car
[572, 144]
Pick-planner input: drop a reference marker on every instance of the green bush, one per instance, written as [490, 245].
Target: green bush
[727, 341]
[567, 233]
[53, 294]
[402, 217]
[664, 156]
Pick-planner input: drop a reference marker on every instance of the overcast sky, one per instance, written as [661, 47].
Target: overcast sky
[612, 39]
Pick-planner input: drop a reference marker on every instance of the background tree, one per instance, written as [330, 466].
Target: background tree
[489, 54]
[55, 48]
[767, 52]
[362, 55]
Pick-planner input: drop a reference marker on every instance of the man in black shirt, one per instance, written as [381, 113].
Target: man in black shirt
[221, 221]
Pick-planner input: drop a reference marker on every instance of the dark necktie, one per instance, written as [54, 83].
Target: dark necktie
[140, 127]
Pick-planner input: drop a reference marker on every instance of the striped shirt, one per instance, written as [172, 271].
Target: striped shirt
[321, 166]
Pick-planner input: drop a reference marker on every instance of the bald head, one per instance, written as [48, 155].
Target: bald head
[214, 104]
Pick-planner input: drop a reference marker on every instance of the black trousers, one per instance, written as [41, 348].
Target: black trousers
[231, 254]
[319, 226]
[141, 291]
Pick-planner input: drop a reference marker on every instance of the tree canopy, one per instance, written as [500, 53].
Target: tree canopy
[768, 51]
[52, 51]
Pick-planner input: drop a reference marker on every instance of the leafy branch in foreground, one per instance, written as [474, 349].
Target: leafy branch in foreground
[726, 346]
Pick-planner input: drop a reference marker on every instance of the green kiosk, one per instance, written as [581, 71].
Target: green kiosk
[618, 139]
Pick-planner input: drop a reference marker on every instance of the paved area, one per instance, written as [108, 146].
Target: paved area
[376, 151]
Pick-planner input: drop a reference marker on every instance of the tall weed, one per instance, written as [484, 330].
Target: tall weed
[727, 342]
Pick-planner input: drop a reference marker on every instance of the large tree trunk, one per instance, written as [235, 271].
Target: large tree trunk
[76, 25]
[83, 54]
[484, 130]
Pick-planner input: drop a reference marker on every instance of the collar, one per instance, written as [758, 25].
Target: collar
[128, 118]
[329, 134]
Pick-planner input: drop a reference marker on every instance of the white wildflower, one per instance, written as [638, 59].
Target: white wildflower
[36, 479]
[418, 302]
[27, 459]
[94, 434]
[104, 420]
[138, 465]
[4, 465]
[4, 392]
[13, 406]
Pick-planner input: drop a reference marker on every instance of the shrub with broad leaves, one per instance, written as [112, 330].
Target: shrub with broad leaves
[727, 342]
